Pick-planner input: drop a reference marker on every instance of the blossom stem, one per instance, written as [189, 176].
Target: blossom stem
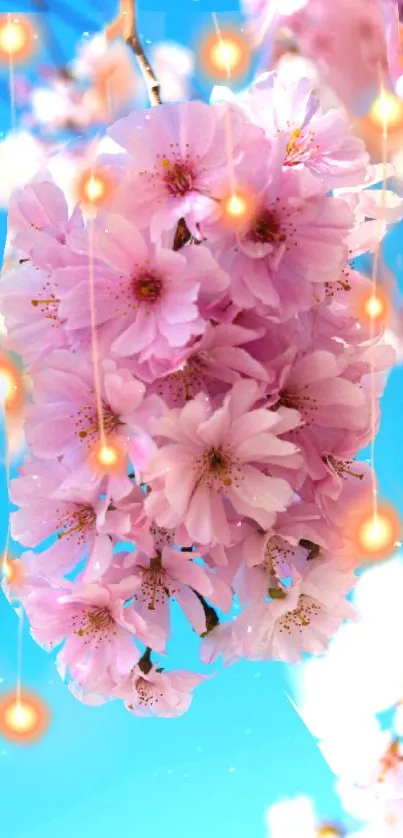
[145, 663]
[128, 11]
[314, 549]
[210, 614]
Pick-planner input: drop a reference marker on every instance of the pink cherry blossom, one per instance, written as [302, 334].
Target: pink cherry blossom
[179, 158]
[80, 517]
[214, 457]
[63, 386]
[159, 693]
[293, 242]
[40, 224]
[91, 622]
[153, 293]
[175, 574]
[319, 141]
[299, 619]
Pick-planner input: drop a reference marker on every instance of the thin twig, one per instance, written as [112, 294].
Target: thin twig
[126, 25]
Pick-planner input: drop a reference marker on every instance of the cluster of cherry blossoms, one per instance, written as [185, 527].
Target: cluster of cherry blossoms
[204, 323]
[355, 43]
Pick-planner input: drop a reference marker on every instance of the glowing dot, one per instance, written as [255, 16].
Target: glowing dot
[16, 37]
[226, 55]
[94, 188]
[373, 307]
[12, 570]
[24, 718]
[377, 533]
[387, 108]
[236, 206]
[328, 831]
[108, 457]
[10, 384]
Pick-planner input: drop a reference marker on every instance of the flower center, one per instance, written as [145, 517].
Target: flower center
[87, 417]
[183, 384]
[178, 176]
[301, 617]
[299, 148]
[154, 589]
[342, 467]
[96, 621]
[147, 692]
[266, 228]
[77, 523]
[147, 288]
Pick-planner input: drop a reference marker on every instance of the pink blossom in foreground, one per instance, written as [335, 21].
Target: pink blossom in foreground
[218, 458]
[63, 386]
[179, 159]
[91, 622]
[293, 241]
[152, 294]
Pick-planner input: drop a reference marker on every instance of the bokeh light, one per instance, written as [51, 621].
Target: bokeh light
[16, 37]
[94, 187]
[225, 55]
[376, 532]
[388, 109]
[24, 719]
[237, 208]
[11, 386]
[108, 457]
[12, 569]
[374, 307]
[328, 831]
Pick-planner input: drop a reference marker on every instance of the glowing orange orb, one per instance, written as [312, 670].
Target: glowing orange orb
[12, 570]
[94, 187]
[237, 208]
[225, 55]
[377, 533]
[387, 109]
[328, 831]
[374, 307]
[108, 457]
[11, 390]
[23, 719]
[16, 37]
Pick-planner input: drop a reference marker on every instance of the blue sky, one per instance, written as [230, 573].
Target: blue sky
[100, 772]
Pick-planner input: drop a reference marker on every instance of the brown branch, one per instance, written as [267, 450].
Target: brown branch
[126, 26]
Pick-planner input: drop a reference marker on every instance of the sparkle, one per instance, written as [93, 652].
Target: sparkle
[23, 718]
[93, 187]
[225, 54]
[388, 109]
[16, 37]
